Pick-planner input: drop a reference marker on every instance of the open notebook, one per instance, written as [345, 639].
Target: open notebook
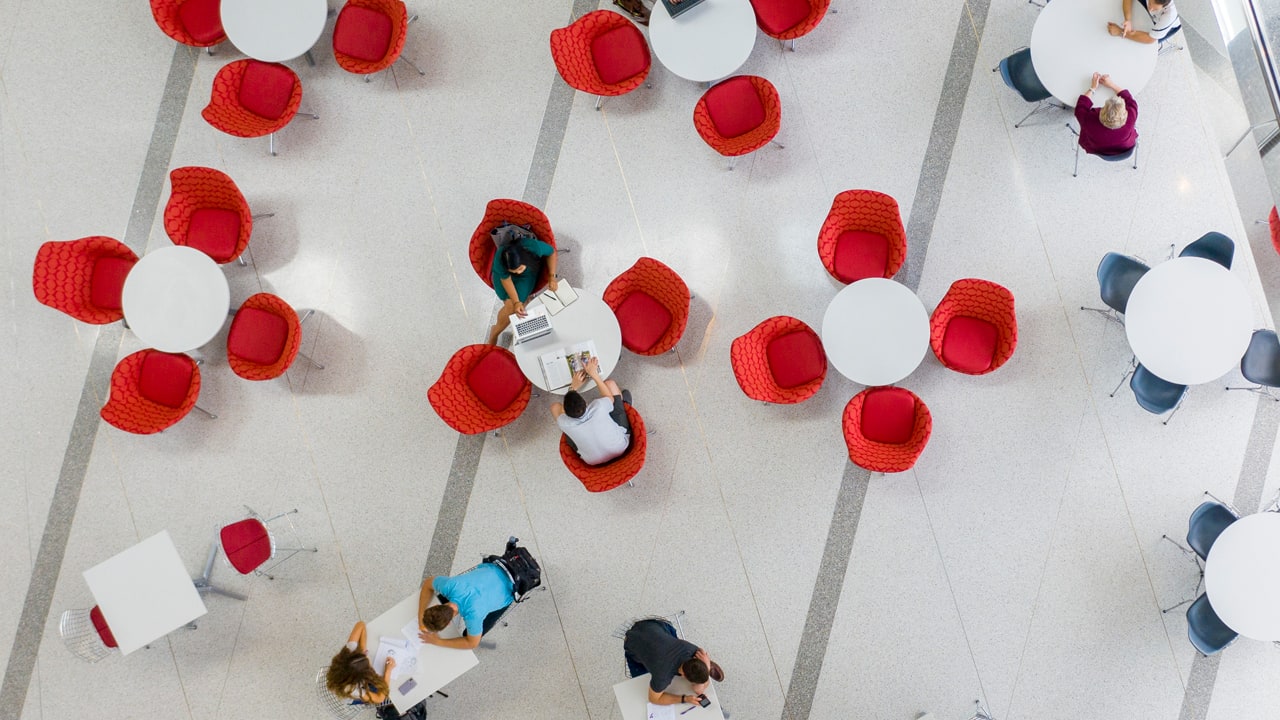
[558, 367]
[563, 295]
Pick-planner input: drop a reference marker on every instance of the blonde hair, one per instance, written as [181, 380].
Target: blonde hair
[1114, 114]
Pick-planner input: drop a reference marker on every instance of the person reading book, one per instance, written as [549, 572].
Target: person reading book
[516, 267]
[598, 431]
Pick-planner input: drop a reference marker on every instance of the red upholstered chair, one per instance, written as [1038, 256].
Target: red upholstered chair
[599, 478]
[265, 338]
[652, 305]
[151, 390]
[197, 23]
[252, 98]
[789, 19]
[779, 361]
[369, 36]
[206, 211]
[481, 389]
[86, 634]
[739, 115]
[862, 237]
[601, 53]
[83, 278]
[886, 429]
[481, 249]
[249, 544]
[974, 329]
[1273, 224]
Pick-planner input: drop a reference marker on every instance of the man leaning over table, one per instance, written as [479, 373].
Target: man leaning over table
[478, 595]
[650, 645]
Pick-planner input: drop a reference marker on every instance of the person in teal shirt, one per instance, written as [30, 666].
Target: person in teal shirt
[478, 595]
[516, 267]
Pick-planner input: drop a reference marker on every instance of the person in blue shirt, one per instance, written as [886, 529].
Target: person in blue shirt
[516, 267]
[479, 596]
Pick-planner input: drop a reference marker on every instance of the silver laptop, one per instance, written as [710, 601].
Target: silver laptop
[533, 325]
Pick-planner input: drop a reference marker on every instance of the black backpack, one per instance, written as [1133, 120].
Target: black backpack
[525, 572]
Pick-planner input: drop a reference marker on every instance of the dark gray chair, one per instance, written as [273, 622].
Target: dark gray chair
[1117, 157]
[1154, 394]
[1020, 75]
[1261, 364]
[1203, 528]
[1117, 275]
[1205, 629]
[1212, 246]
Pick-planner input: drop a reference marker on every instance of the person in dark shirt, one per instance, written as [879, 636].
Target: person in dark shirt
[516, 268]
[1111, 129]
[651, 646]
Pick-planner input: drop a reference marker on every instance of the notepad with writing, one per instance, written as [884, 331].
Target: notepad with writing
[662, 712]
[556, 300]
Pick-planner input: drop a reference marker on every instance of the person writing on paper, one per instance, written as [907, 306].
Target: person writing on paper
[651, 646]
[351, 674]
[478, 595]
[1165, 22]
[516, 267]
[1111, 129]
[598, 431]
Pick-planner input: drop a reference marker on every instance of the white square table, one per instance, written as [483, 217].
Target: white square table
[437, 666]
[144, 592]
[633, 699]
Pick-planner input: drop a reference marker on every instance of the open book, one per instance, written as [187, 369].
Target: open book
[559, 367]
[555, 301]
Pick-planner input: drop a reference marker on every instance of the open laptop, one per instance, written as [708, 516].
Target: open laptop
[533, 325]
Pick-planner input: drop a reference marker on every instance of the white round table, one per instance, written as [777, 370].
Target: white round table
[875, 331]
[274, 30]
[706, 43]
[587, 318]
[1189, 320]
[1242, 576]
[1070, 43]
[175, 299]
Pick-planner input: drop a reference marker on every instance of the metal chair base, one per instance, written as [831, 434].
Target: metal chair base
[1259, 389]
[1107, 313]
[1199, 569]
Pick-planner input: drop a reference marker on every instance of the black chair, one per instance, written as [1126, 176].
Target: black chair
[1203, 528]
[1212, 246]
[1261, 364]
[1020, 75]
[1205, 629]
[1154, 394]
[1117, 157]
[1117, 275]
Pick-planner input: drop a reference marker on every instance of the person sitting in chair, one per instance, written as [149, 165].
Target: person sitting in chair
[1165, 22]
[516, 267]
[351, 675]
[652, 646]
[478, 595]
[1111, 129]
[599, 431]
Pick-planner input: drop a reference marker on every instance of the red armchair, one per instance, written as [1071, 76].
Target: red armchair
[151, 390]
[481, 389]
[886, 429]
[252, 98]
[481, 249]
[83, 278]
[265, 338]
[599, 478]
[601, 53]
[197, 23]
[206, 211]
[779, 361]
[369, 36]
[652, 305]
[974, 329]
[1273, 224]
[789, 19]
[862, 237]
[739, 115]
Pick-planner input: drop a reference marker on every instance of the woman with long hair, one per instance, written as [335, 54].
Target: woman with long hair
[351, 674]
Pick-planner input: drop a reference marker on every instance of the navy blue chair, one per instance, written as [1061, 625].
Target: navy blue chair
[1203, 528]
[1205, 629]
[1117, 157]
[1154, 394]
[1117, 275]
[1212, 246]
[1261, 363]
[1020, 75]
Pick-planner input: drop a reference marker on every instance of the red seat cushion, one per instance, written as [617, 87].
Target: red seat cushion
[246, 544]
[165, 378]
[888, 415]
[643, 320]
[778, 16]
[362, 33]
[861, 255]
[202, 19]
[266, 89]
[496, 380]
[107, 281]
[100, 624]
[214, 232]
[619, 54]
[735, 107]
[257, 335]
[795, 359]
[969, 344]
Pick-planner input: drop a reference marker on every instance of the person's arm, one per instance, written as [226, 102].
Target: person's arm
[373, 698]
[593, 372]
[424, 598]
[557, 409]
[553, 279]
[1126, 6]
[470, 642]
[513, 298]
[666, 698]
[358, 635]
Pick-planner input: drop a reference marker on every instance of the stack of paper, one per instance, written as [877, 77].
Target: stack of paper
[405, 653]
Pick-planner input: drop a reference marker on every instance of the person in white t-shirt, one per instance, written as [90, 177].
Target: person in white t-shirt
[598, 431]
[1165, 22]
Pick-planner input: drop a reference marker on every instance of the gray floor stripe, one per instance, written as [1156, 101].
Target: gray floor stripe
[853, 487]
[84, 429]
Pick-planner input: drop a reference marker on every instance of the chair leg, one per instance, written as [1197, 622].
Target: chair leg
[1176, 408]
[368, 78]
[1107, 313]
[310, 60]
[1260, 390]
[780, 145]
[1039, 106]
[206, 412]
[1135, 155]
[209, 50]
[271, 144]
[599, 101]
[311, 360]
[1133, 365]
[313, 116]
[259, 216]
[412, 64]
[1075, 171]
[733, 161]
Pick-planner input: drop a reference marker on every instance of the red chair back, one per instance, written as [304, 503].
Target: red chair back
[756, 370]
[194, 189]
[197, 23]
[732, 104]
[652, 305]
[151, 390]
[247, 544]
[972, 299]
[264, 339]
[859, 212]
[83, 278]
[885, 415]
[599, 478]
[475, 379]
[481, 249]
[245, 88]
[100, 625]
[601, 53]
[789, 19]
[369, 35]
[1273, 224]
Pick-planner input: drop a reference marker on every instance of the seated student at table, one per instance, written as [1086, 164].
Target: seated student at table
[598, 431]
[516, 267]
[351, 674]
[651, 646]
[478, 595]
[1165, 22]
[1111, 129]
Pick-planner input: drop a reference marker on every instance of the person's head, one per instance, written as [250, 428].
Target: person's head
[351, 673]
[1158, 4]
[438, 617]
[574, 404]
[1114, 114]
[695, 671]
[513, 260]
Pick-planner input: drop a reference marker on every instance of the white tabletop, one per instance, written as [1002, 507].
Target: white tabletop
[1070, 43]
[175, 299]
[633, 699]
[1242, 576]
[274, 30]
[587, 318]
[144, 592]
[875, 331]
[437, 666]
[704, 44]
[1189, 320]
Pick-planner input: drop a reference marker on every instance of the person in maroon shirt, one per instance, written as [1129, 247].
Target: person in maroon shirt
[1111, 129]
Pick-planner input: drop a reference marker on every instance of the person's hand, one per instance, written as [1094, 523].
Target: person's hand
[702, 655]
[593, 366]
[428, 637]
[391, 663]
[554, 283]
[579, 379]
[1126, 29]
[520, 309]
[1093, 84]
[1115, 30]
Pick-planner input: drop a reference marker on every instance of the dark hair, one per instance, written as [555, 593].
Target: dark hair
[350, 673]
[512, 258]
[695, 671]
[574, 405]
[437, 617]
